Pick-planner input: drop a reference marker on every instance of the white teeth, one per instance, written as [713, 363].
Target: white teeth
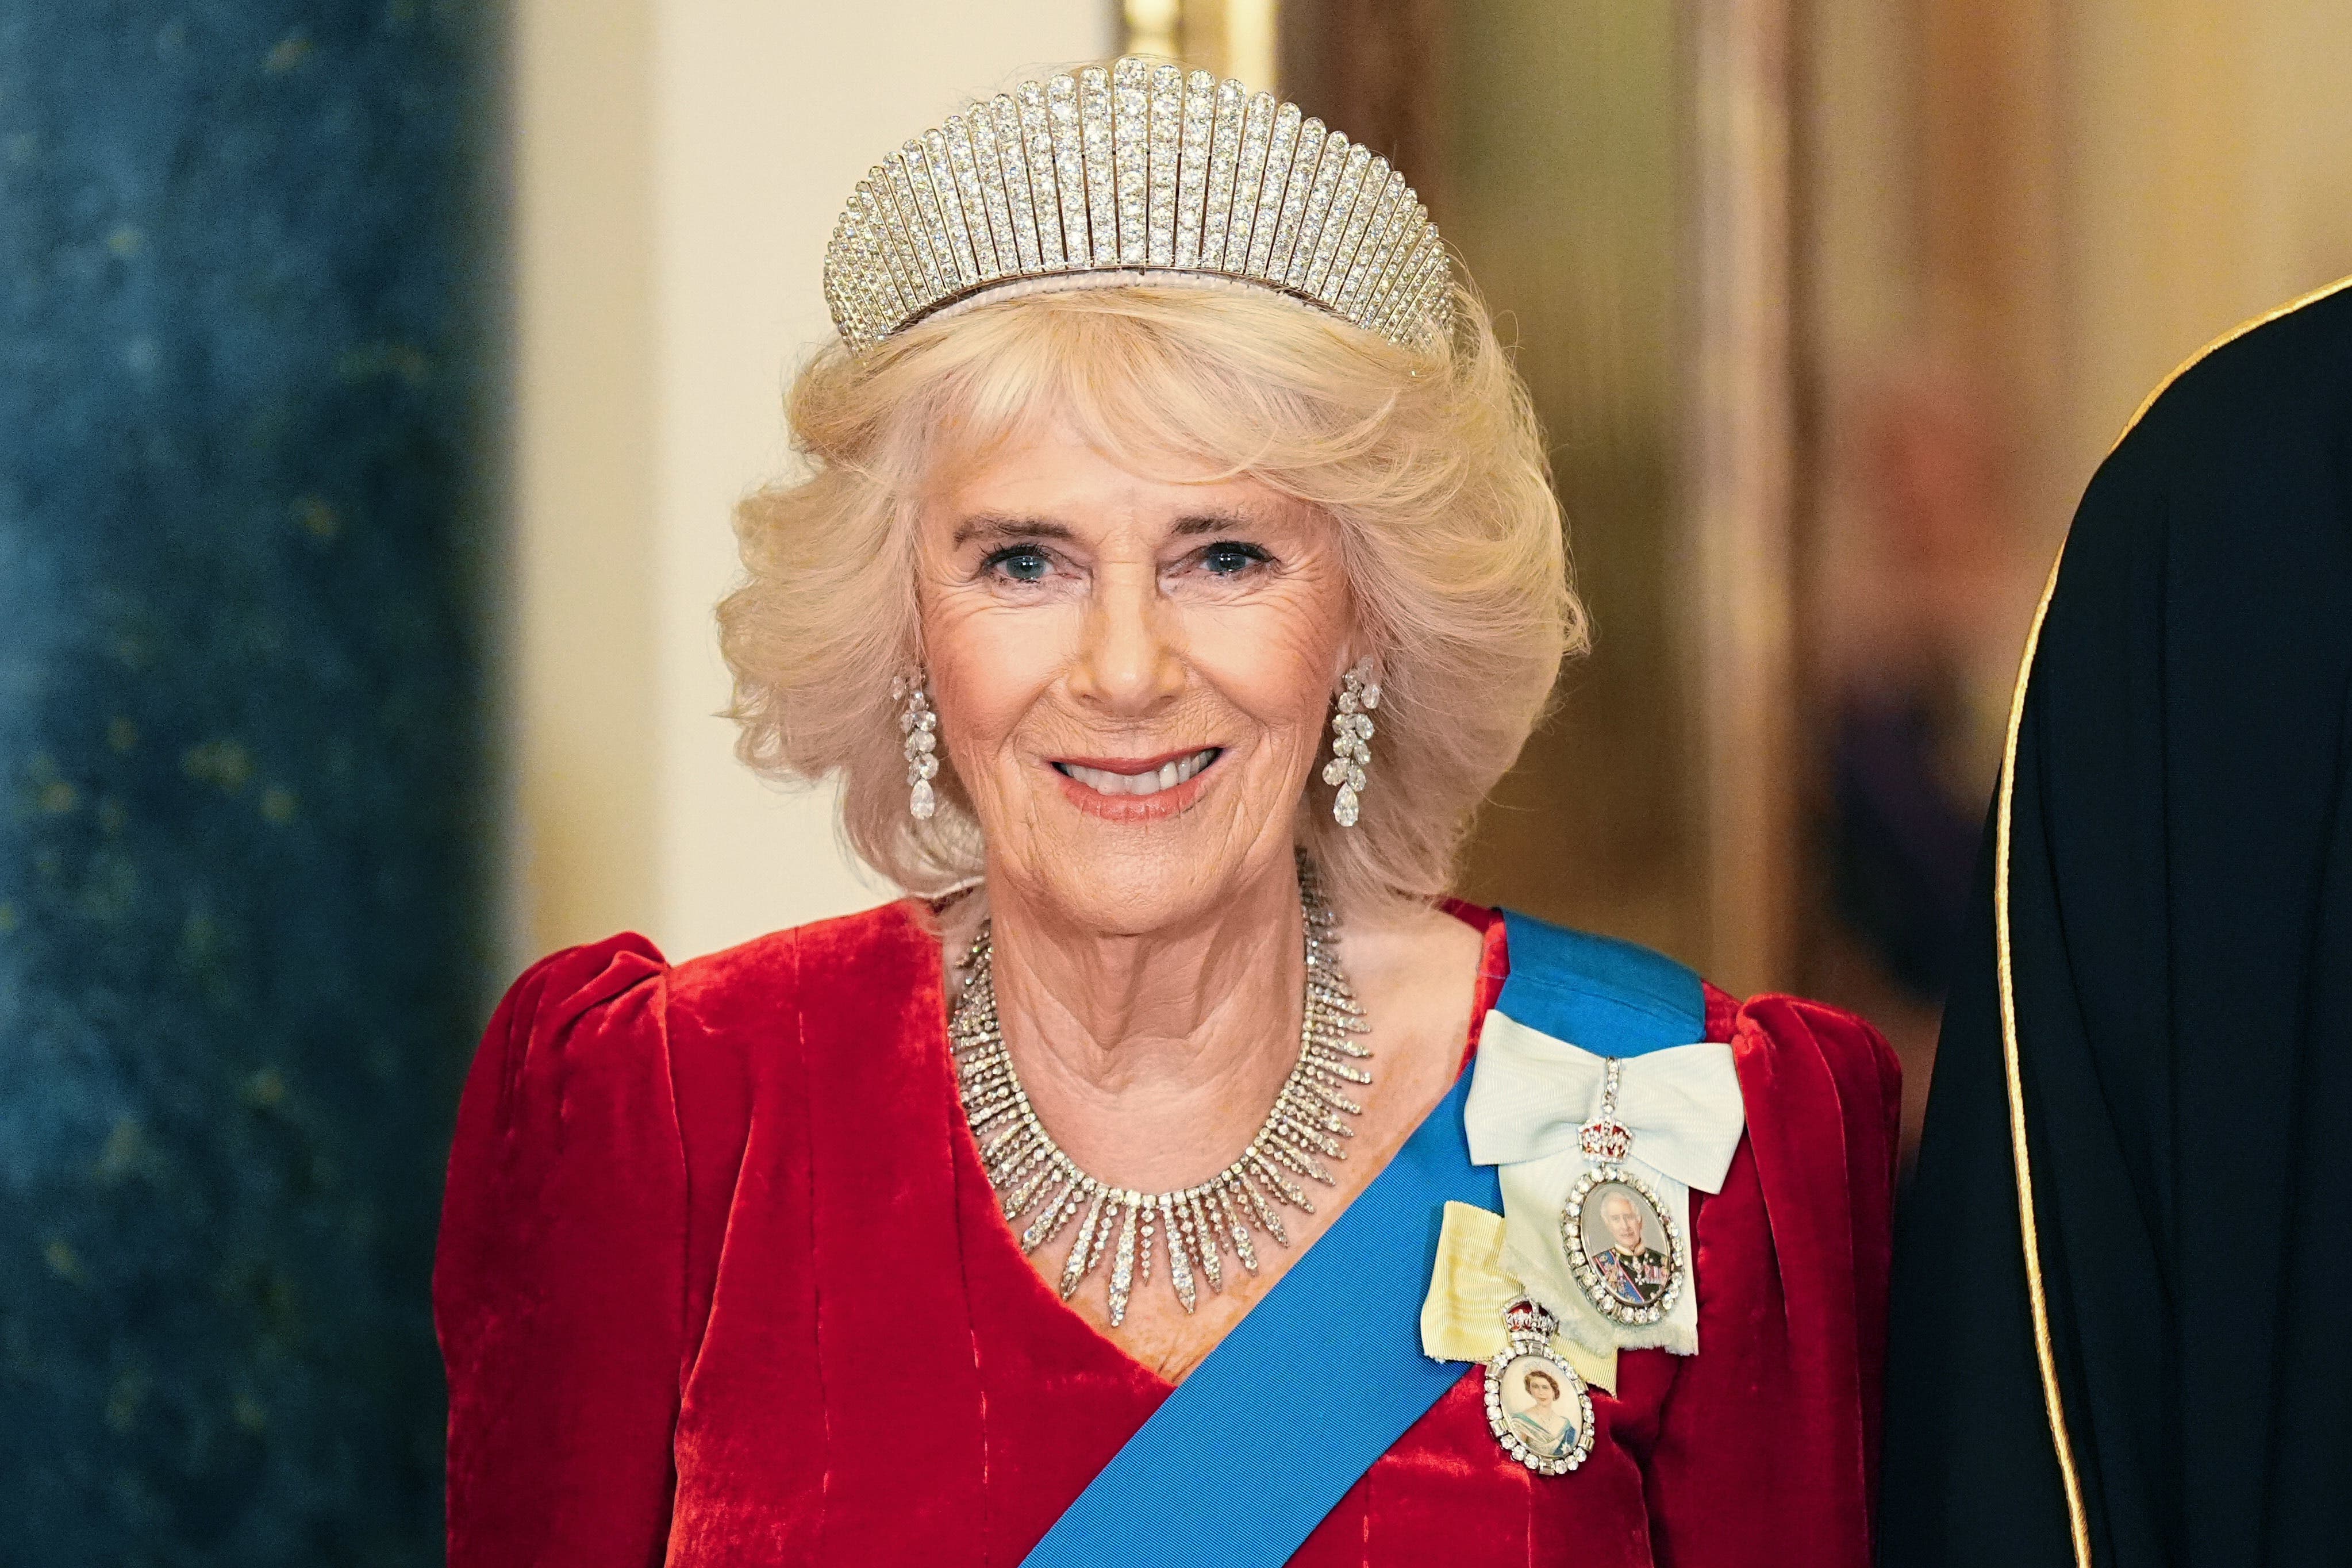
[1167, 776]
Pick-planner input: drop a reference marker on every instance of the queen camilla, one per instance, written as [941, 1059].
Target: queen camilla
[1178, 1174]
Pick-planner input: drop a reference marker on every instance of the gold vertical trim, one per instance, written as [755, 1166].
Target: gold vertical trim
[1251, 28]
[1225, 37]
[1153, 27]
[2037, 1298]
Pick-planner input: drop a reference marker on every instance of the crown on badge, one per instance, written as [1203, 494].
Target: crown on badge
[1605, 1138]
[1139, 173]
[1527, 1315]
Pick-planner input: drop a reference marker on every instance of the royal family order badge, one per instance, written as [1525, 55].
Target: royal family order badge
[1630, 1257]
[1539, 1410]
[1598, 1160]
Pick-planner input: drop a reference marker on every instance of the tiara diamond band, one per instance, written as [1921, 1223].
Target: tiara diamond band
[1120, 174]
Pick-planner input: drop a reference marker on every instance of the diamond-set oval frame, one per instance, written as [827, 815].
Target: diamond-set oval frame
[1587, 1278]
[1523, 1344]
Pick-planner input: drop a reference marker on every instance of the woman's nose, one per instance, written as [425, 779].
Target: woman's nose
[1128, 661]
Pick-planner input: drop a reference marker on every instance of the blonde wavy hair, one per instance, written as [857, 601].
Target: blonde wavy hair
[1429, 461]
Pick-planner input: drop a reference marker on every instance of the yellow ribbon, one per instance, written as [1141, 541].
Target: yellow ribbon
[1462, 1320]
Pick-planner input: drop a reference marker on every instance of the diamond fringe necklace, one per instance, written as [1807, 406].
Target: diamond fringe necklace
[1198, 1224]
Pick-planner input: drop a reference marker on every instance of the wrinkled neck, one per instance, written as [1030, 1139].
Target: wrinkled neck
[1144, 1052]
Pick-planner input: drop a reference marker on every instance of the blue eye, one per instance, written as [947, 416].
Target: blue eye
[1229, 558]
[1022, 562]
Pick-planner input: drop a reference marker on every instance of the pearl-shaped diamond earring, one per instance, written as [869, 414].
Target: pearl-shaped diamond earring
[920, 726]
[1352, 730]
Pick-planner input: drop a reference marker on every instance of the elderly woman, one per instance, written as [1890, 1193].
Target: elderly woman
[1175, 572]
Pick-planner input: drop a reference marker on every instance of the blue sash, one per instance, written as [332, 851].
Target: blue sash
[1611, 997]
[1327, 1372]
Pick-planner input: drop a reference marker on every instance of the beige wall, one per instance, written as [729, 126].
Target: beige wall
[2211, 179]
[2016, 217]
[679, 164]
[2148, 175]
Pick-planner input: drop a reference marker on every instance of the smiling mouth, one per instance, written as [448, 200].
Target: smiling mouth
[1143, 777]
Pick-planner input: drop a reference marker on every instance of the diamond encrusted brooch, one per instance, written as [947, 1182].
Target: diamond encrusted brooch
[1537, 1407]
[1630, 1260]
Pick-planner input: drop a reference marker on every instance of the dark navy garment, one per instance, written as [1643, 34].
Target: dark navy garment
[2180, 882]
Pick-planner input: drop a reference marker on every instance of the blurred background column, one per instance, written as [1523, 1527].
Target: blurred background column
[2015, 219]
[1615, 180]
[379, 379]
[250, 290]
[1830, 308]
[679, 167]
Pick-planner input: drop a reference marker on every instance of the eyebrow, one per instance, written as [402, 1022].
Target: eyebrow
[999, 527]
[1215, 523]
[996, 526]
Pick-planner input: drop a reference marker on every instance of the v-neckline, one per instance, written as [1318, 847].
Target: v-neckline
[1493, 968]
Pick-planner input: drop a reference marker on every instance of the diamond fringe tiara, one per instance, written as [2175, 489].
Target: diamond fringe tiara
[1127, 172]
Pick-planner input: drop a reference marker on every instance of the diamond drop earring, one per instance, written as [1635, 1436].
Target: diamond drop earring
[920, 726]
[1351, 728]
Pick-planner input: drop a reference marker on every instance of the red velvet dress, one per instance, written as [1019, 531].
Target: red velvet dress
[722, 1282]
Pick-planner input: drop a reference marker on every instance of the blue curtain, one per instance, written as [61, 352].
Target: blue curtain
[250, 270]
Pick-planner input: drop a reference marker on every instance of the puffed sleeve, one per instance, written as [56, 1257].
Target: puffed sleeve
[1766, 1446]
[559, 1286]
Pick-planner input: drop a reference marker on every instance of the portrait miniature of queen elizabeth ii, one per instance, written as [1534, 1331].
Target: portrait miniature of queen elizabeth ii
[1542, 1414]
[1174, 571]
